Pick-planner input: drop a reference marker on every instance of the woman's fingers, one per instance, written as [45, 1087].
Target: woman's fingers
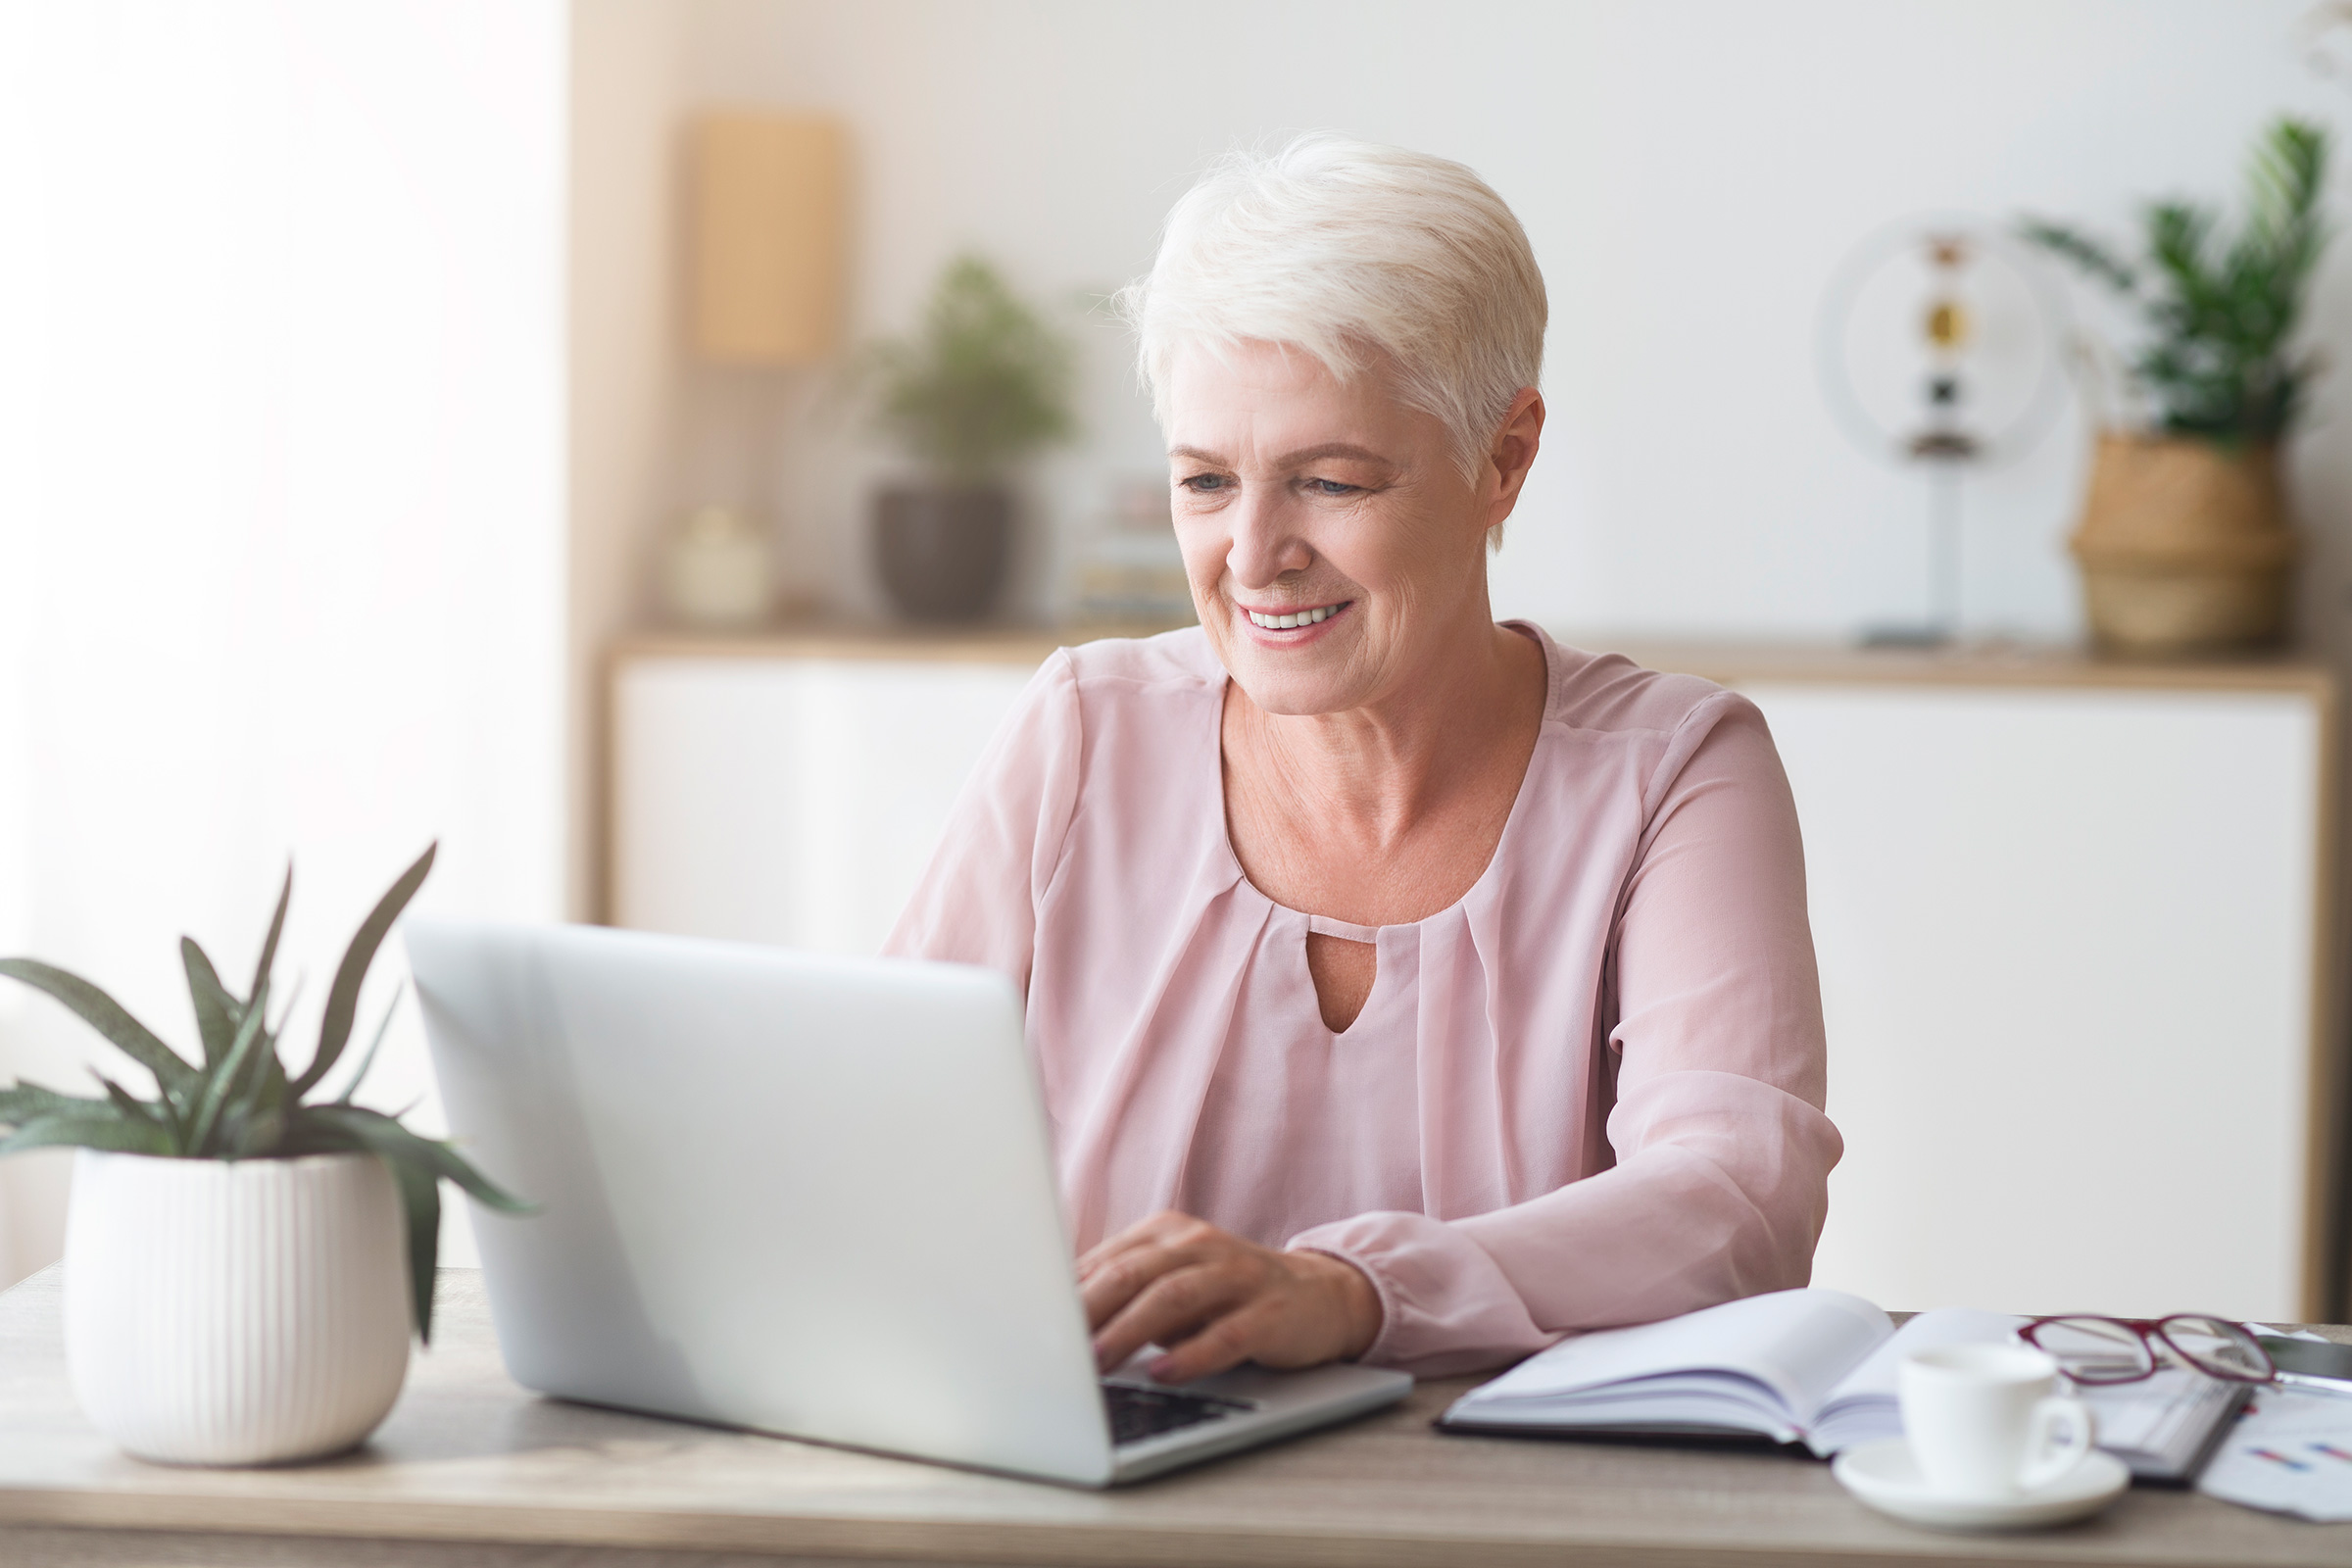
[1114, 1273]
[1213, 1300]
[1174, 1306]
[1103, 1252]
[1220, 1345]
[1158, 1228]
[1110, 1288]
[1309, 1308]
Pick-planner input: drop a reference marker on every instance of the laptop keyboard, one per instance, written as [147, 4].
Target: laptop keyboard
[1140, 1413]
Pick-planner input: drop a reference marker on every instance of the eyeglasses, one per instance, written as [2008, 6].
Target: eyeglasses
[2094, 1349]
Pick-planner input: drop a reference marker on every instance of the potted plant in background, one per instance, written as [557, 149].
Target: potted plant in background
[243, 1263]
[983, 384]
[2183, 543]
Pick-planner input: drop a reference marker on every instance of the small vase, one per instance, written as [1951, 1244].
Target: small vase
[2184, 547]
[235, 1313]
[941, 550]
[718, 572]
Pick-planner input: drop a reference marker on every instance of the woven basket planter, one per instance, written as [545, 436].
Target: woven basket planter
[2184, 547]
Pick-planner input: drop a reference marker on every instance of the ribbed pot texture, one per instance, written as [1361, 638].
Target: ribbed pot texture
[2185, 545]
[223, 1312]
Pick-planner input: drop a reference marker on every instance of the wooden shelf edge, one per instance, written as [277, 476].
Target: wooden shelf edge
[1729, 663]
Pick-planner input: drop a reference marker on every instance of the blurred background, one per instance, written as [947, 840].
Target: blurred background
[421, 419]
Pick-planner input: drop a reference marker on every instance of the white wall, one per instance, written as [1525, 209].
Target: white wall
[625, 375]
[281, 489]
[282, 365]
[1691, 175]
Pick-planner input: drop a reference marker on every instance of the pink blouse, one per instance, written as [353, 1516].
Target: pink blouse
[1589, 1093]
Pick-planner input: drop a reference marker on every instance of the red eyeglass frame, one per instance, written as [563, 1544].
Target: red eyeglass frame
[2152, 1333]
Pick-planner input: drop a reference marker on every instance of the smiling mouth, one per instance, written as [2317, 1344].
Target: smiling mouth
[1314, 616]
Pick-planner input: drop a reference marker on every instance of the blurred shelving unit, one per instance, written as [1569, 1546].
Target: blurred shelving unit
[2075, 921]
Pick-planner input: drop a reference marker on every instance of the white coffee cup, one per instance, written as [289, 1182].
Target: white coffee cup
[1986, 1421]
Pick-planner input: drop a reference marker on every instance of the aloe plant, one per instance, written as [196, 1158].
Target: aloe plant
[2220, 312]
[242, 1102]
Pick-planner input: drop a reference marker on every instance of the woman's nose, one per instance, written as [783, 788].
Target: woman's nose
[1265, 545]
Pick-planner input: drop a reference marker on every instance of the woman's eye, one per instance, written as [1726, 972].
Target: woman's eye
[1332, 487]
[1203, 483]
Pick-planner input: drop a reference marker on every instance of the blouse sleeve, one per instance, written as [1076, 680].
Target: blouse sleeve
[977, 902]
[1723, 1152]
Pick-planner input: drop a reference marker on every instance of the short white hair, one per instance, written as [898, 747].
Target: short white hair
[1352, 252]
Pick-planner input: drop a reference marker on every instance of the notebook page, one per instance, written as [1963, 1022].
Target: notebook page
[1865, 1407]
[1945, 1325]
[1795, 1342]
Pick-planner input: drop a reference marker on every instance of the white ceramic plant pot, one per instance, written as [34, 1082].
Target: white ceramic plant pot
[235, 1311]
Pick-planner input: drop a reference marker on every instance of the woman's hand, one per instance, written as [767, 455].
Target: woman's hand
[1215, 1301]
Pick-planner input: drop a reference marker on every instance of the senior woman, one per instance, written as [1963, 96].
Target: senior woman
[1404, 986]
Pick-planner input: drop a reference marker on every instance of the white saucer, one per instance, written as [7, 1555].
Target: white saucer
[1886, 1476]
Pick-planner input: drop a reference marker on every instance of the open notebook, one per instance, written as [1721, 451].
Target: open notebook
[1816, 1367]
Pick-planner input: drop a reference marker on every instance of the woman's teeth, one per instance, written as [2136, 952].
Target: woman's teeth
[1303, 617]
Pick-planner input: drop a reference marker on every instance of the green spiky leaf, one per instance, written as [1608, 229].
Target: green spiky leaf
[253, 1122]
[367, 1060]
[387, 1136]
[19, 1102]
[102, 1012]
[240, 1104]
[343, 999]
[220, 1078]
[131, 1109]
[102, 1126]
[218, 1013]
[277, 928]
[421, 1202]
[419, 1165]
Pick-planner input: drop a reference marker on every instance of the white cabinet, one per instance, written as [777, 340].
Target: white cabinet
[2072, 922]
[2068, 942]
[790, 799]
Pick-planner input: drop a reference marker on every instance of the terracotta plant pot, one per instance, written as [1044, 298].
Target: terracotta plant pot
[941, 550]
[2184, 547]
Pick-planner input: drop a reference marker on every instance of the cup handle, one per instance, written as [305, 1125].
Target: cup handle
[2062, 1433]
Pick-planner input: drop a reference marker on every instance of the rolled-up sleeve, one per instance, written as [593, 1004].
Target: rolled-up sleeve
[1722, 1147]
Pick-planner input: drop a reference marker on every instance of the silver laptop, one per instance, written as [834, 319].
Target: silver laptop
[802, 1194]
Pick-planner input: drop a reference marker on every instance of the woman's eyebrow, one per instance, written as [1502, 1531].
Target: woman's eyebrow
[1329, 449]
[1292, 460]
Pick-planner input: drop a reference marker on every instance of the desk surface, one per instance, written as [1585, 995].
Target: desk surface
[1732, 664]
[471, 1469]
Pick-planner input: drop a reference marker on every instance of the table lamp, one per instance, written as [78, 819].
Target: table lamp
[766, 198]
[764, 237]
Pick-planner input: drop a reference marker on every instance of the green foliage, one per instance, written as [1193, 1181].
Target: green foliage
[983, 384]
[242, 1103]
[2220, 312]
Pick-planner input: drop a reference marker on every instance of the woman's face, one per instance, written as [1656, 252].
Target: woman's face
[1332, 507]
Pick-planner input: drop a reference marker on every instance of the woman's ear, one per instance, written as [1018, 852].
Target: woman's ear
[1513, 454]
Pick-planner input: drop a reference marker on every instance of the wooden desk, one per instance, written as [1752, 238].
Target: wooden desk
[472, 1471]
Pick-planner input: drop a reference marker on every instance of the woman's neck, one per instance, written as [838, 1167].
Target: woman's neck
[1394, 805]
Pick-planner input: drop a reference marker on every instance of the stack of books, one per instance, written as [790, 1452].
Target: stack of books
[1128, 570]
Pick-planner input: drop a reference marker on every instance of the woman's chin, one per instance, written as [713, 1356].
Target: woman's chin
[1295, 670]
[1294, 688]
